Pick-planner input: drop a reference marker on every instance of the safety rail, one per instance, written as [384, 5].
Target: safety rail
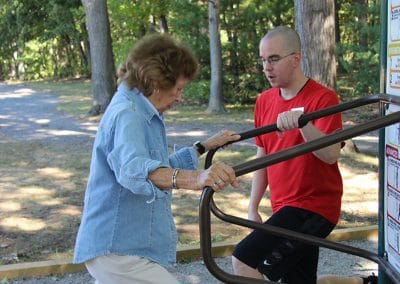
[208, 205]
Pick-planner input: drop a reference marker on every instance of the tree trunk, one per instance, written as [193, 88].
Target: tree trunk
[163, 24]
[79, 42]
[54, 61]
[86, 48]
[315, 23]
[69, 55]
[337, 21]
[102, 61]
[215, 100]
[2, 73]
[363, 22]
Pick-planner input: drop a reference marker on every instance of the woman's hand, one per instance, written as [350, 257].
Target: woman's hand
[221, 138]
[217, 176]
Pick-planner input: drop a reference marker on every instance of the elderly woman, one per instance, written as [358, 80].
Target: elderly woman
[127, 233]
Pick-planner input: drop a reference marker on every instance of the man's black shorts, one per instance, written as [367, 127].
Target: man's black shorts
[291, 261]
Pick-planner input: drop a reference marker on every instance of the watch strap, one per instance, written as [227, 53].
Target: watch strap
[199, 147]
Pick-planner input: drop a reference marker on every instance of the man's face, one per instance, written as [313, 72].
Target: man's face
[278, 63]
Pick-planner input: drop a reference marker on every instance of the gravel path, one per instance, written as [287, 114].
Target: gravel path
[28, 115]
[331, 262]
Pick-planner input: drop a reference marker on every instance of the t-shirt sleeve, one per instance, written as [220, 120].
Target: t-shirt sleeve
[330, 123]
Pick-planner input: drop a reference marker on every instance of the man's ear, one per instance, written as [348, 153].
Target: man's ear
[297, 57]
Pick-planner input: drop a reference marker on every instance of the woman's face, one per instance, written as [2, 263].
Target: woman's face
[165, 99]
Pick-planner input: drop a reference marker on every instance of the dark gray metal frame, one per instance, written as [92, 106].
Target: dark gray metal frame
[208, 205]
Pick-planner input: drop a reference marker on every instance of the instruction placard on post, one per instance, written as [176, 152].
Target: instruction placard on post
[392, 191]
[393, 48]
[392, 140]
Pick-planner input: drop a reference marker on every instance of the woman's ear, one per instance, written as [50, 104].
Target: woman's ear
[156, 87]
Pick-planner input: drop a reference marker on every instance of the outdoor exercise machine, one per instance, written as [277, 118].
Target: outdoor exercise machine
[388, 256]
[208, 205]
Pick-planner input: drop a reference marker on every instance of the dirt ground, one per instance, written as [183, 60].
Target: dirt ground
[44, 158]
[195, 272]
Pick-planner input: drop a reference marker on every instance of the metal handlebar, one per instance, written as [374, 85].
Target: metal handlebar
[207, 203]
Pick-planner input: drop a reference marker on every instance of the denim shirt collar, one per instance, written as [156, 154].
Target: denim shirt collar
[143, 103]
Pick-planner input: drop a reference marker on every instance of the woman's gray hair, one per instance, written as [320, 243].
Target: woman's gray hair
[155, 62]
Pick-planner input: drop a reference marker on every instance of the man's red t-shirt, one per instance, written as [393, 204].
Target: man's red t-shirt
[304, 181]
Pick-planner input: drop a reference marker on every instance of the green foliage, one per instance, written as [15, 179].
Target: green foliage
[123, 27]
[35, 61]
[42, 38]
[358, 50]
[243, 23]
[245, 90]
[48, 38]
[197, 92]
[191, 27]
[130, 20]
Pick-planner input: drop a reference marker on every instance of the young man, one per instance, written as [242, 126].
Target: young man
[305, 191]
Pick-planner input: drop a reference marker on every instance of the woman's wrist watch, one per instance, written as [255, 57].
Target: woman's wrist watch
[199, 147]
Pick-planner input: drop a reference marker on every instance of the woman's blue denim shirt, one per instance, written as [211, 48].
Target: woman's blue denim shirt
[124, 212]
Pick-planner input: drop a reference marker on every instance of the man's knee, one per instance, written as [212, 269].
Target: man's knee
[240, 268]
[237, 265]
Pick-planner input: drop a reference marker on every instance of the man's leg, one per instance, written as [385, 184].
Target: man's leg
[334, 279]
[306, 268]
[240, 268]
[277, 257]
[254, 249]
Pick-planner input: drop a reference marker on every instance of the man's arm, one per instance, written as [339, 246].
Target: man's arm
[258, 188]
[329, 154]
[290, 119]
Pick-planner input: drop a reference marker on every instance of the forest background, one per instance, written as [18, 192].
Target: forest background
[49, 39]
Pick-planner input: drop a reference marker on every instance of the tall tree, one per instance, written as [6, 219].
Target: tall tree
[215, 103]
[102, 61]
[358, 49]
[315, 23]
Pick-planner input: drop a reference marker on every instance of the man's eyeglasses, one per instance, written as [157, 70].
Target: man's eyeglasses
[272, 60]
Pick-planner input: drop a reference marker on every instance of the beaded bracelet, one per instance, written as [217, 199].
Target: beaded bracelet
[174, 174]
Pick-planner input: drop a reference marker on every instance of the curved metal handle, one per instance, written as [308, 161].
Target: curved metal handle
[207, 204]
[205, 244]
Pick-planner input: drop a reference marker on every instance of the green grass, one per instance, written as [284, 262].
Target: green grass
[186, 114]
[74, 95]
[43, 186]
